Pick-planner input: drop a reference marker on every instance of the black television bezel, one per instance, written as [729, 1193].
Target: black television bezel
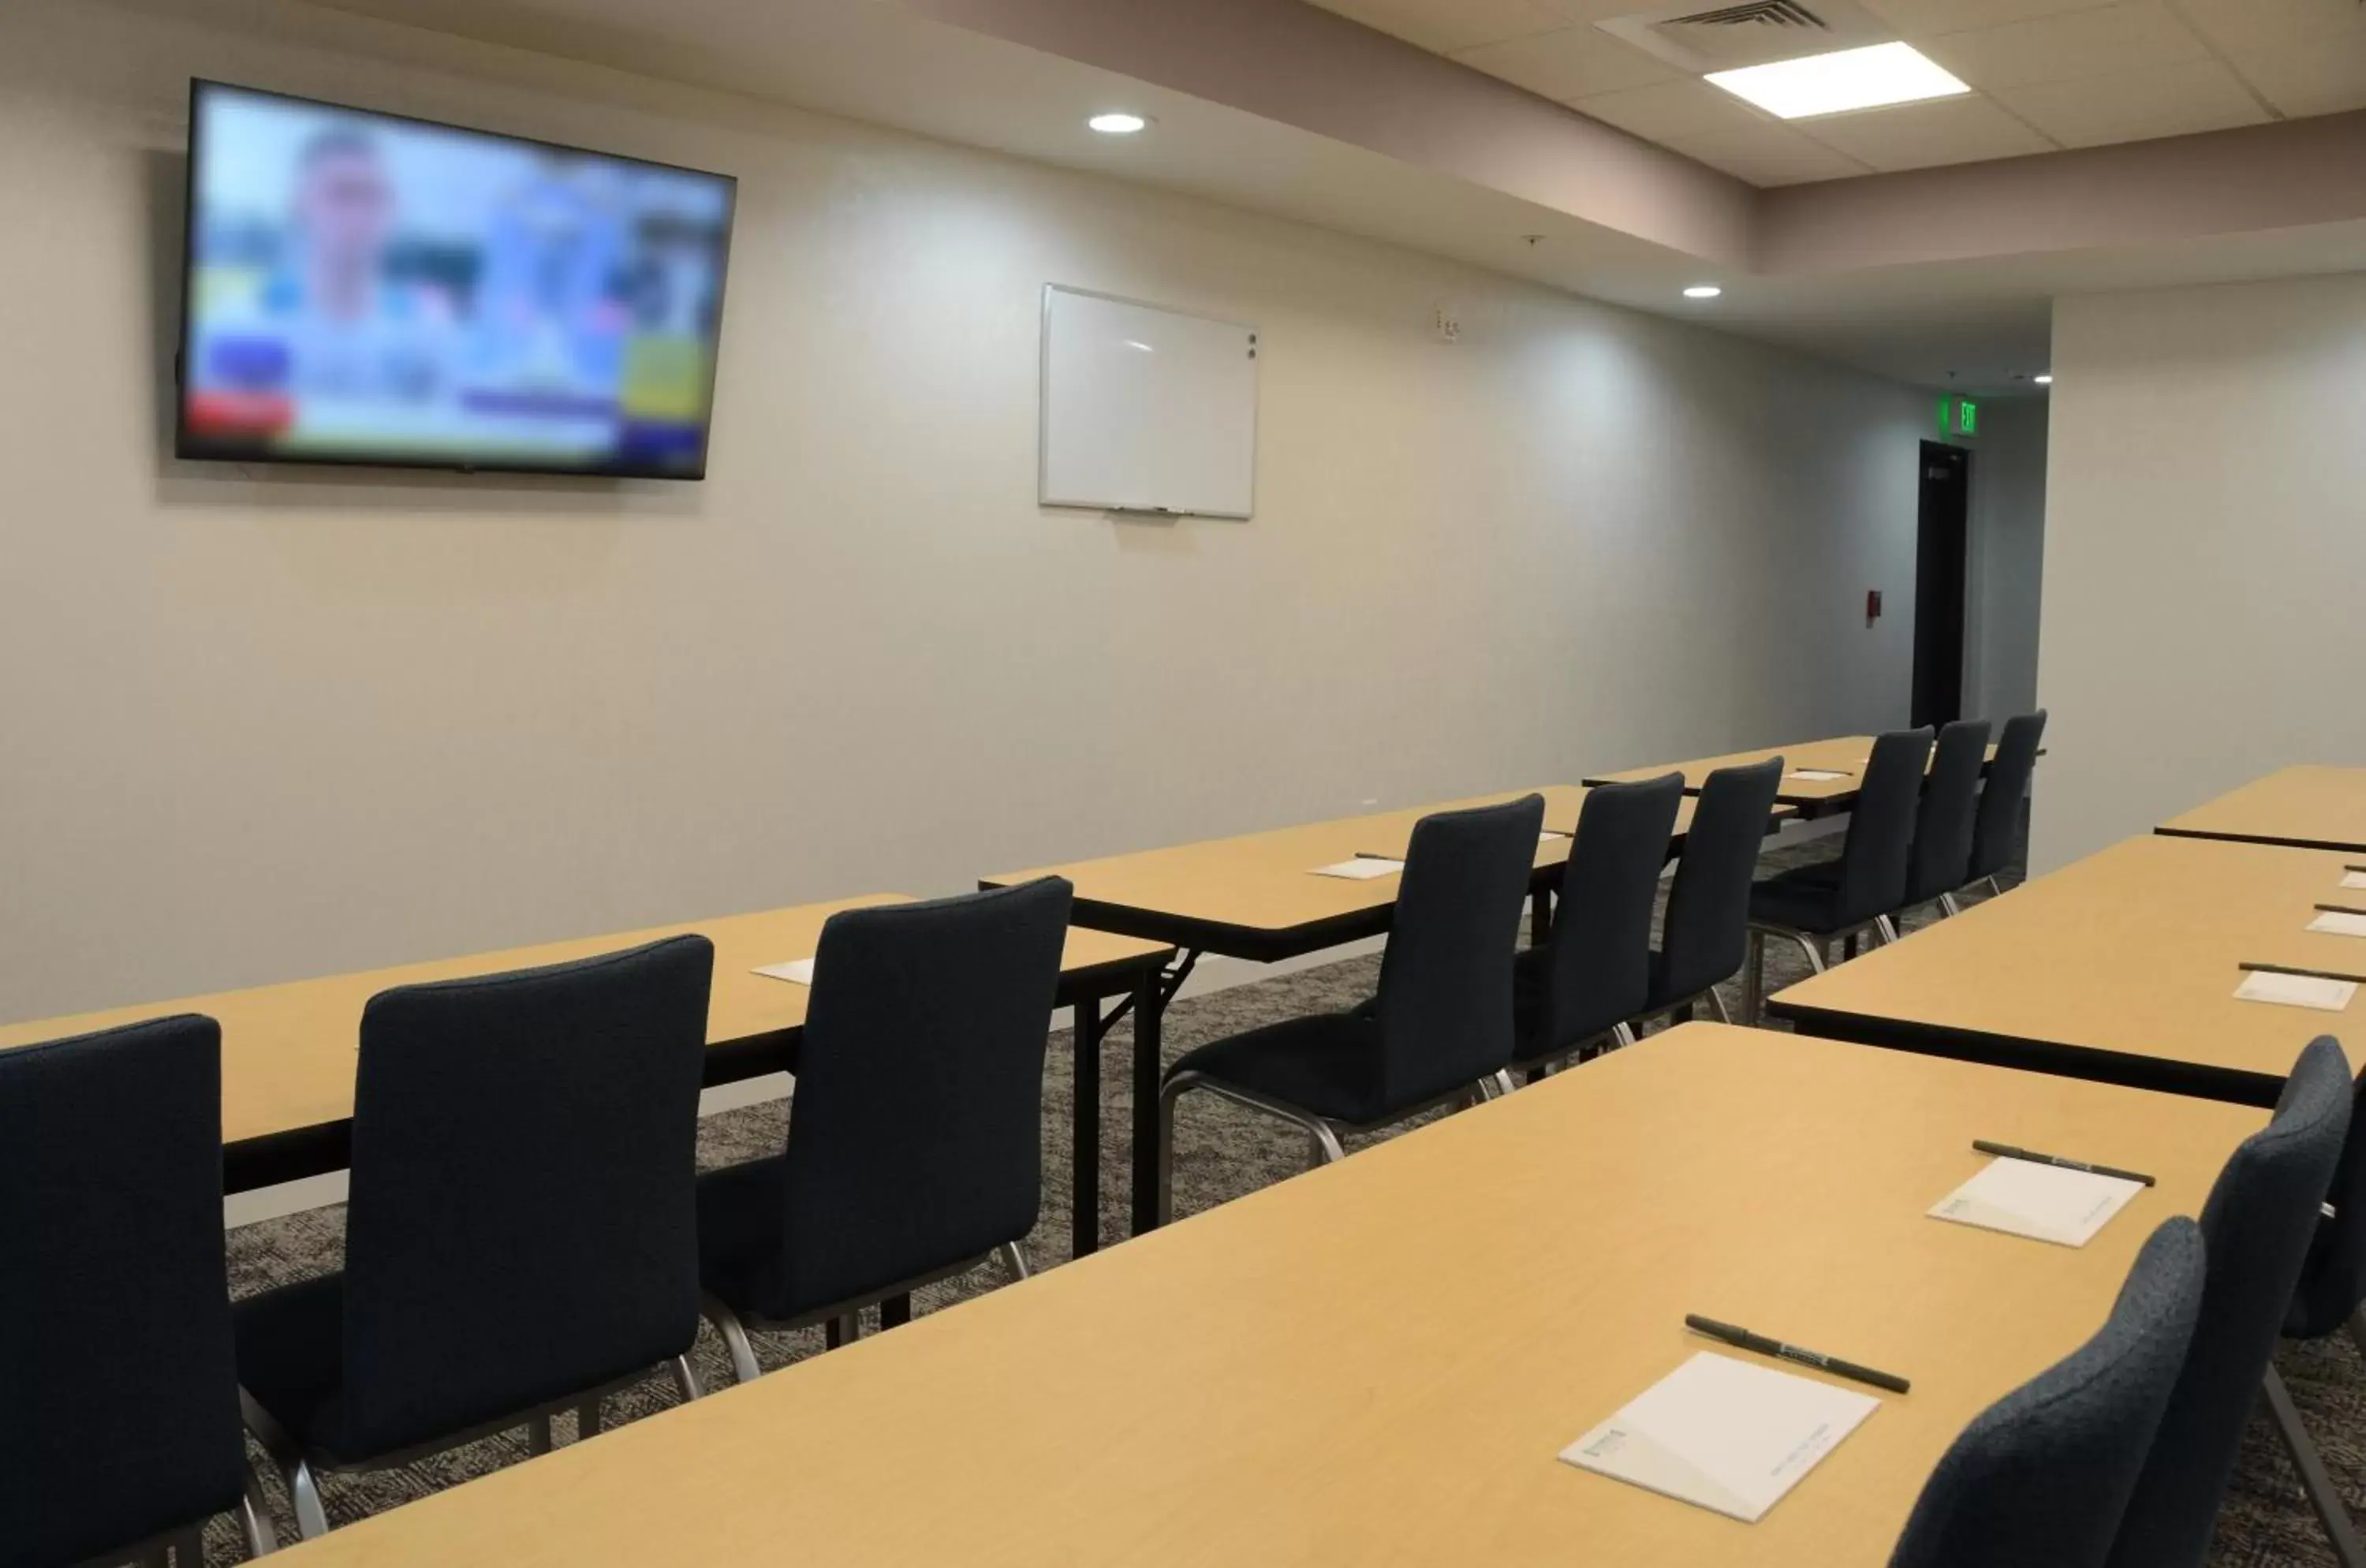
[214, 452]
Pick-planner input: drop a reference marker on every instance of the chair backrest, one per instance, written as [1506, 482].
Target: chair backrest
[1943, 825]
[523, 1219]
[2333, 1281]
[1874, 858]
[119, 1395]
[1445, 1001]
[1705, 934]
[916, 1135]
[1996, 836]
[2043, 1475]
[1599, 972]
[2257, 1225]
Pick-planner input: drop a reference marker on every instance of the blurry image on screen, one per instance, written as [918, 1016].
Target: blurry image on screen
[370, 289]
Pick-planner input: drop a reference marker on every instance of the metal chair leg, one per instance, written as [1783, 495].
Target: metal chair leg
[1327, 1150]
[1947, 906]
[1621, 1036]
[843, 1330]
[304, 1494]
[2332, 1513]
[1014, 1260]
[1716, 1000]
[1812, 948]
[1172, 1090]
[735, 1339]
[537, 1435]
[254, 1517]
[1995, 888]
[685, 1379]
[1887, 927]
[1753, 981]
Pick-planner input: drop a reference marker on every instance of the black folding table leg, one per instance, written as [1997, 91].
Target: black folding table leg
[896, 1311]
[1149, 1009]
[1085, 1222]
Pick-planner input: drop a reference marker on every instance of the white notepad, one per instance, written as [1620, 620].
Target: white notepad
[2353, 879]
[1817, 775]
[796, 970]
[2297, 990]
[1725, 1434]
[1363, 868]
[2045, 1202]
[2337, 922]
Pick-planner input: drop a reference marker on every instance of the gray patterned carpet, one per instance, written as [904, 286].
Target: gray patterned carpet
[1225, 1153]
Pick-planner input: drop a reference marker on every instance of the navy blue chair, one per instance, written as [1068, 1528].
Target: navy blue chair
[1592, 974]
[1705, 937]
[915, 1146]
[1438, 1030]
[1812, 905]
[2042, 1477]
[1997, 834]
[2258, 1225]
[119, 1398]
[522, 1231]
[1941, 860]
[2326, 1302]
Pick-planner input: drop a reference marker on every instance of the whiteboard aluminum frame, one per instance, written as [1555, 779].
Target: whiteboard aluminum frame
[1043, 400]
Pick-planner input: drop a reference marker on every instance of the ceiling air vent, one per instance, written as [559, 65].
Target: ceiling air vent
[1763, 13]
[1756, 32]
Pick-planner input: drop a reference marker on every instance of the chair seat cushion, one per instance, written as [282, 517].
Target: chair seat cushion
[1328, 1065]
[291, 1358]
[741, 1235]
[1805, 898]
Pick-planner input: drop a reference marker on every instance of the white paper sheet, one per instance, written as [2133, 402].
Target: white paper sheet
[2297, 990]
[2045, 1203]
[796, 972]
[1363, 868]
[1726, 1435]
[2353, 879]
[2337, 922]
[1816, 775]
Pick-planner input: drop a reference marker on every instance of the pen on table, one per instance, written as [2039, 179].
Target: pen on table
[2007, 1151]
[1741, 1338]
[2250, 968]
[2339, 909]
[1368, 855]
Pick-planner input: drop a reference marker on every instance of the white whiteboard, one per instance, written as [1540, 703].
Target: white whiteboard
[1147, 410]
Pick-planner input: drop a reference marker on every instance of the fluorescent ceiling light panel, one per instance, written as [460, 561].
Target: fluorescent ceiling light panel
[1834, 84]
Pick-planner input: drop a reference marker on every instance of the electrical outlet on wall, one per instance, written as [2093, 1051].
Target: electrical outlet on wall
[1445, 322]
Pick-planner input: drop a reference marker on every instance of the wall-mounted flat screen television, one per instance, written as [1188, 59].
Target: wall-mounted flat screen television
[360, 287]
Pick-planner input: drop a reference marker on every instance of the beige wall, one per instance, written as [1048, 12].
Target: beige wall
[2203, 549]
[2007, 559]
[263, 724]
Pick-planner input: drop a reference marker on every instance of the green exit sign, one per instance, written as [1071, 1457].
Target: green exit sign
[1958, 416]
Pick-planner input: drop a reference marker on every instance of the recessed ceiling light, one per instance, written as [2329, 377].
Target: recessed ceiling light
[1703, 291]
[1848, 79]
[1116, 123]
[2045, 378]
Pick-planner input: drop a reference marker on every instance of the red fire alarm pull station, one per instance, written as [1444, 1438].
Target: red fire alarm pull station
[1872, 605]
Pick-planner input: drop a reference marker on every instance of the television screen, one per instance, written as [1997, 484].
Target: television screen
[363, 289]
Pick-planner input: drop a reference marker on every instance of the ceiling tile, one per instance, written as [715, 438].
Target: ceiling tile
[2129, 105]
[2240, 26]
[2093, 42]
[1924, 19]
[1444, 25]
[1768, 155]
[1668, 110]
[1570, 63]
[2325, 76]
[1917, 136]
